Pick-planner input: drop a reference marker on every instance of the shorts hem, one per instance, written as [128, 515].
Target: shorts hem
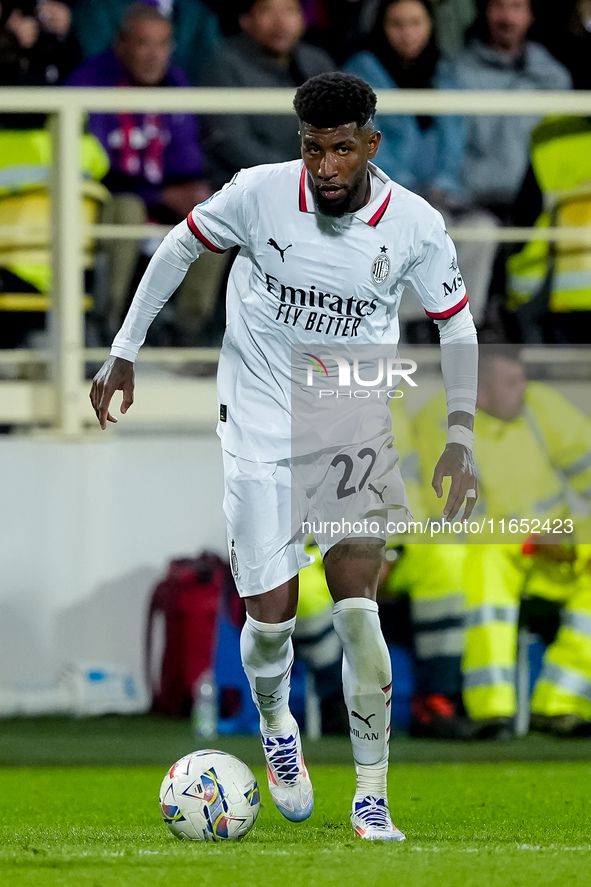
[289, 574]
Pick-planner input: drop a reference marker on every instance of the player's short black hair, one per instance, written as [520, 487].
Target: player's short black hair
[333, 99]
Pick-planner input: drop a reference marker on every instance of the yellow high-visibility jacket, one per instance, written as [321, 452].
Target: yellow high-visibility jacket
[25, 166]
[525, 467]
[561, 160]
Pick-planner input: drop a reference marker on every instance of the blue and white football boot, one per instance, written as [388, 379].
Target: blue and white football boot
[370, 818]
[289, 782]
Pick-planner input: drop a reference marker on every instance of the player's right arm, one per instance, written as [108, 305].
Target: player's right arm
[435, 278]
[215, 225]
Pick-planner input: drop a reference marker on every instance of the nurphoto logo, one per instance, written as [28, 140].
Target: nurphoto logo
[385, 373]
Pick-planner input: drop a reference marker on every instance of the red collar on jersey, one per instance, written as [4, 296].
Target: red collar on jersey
[307, 204]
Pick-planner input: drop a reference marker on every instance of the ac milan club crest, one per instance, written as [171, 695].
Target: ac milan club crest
[381, 266]
[234, 561]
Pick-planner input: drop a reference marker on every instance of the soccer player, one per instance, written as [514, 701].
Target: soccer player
[327, 245]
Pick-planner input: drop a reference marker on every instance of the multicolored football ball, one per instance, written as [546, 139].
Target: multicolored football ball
[209, 796]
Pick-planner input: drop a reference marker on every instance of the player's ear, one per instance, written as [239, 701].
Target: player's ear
[373, 143]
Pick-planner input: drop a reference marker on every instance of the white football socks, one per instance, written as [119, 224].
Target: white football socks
[267, 657]
[367, 687]
[372, 779]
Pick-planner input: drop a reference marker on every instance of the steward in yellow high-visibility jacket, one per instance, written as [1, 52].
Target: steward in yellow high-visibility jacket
[561, 162]
[25, 169]
[533, 452]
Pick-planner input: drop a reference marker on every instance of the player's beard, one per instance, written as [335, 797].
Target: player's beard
[344, 204]
[333, 208]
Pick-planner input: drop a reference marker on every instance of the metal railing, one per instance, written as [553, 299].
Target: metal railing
[62, 402]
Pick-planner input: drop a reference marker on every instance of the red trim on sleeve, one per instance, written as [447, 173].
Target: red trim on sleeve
[303, 201]
[380, 212]
[442, 315]
[195, 230]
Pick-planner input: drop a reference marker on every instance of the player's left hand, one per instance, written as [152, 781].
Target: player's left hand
[456, 462]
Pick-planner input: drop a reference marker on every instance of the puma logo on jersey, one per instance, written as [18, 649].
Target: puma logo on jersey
[377, 492]
[271, 242]
[365, 720]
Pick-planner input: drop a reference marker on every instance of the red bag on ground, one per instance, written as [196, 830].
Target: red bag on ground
[181, 631]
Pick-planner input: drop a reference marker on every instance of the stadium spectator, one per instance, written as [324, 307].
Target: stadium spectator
[342, 28]
[533, 453]
[453, 19]
[338, 27]
[501, 57]
[549, 284]
[571, 44]
[156, 160]
[195, 28]
[267, 53]
[156, 156]
[47, 49]
[11, 72]
[420, 152]
[25, 261]
[423, 152]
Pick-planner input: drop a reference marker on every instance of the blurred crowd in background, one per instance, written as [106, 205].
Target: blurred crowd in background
[480, 171]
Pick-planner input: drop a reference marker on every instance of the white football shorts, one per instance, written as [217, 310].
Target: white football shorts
[272, 507]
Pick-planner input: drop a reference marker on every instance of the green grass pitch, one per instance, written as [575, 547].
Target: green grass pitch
[472, 824]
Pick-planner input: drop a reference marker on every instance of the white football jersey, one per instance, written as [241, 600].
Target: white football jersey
[305, 279]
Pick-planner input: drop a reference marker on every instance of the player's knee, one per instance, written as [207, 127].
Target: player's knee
[268, 639]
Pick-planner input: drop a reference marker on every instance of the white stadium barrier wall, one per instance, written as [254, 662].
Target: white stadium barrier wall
[88, 527]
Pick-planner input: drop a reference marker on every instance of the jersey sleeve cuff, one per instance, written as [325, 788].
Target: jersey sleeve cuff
[125, 353]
